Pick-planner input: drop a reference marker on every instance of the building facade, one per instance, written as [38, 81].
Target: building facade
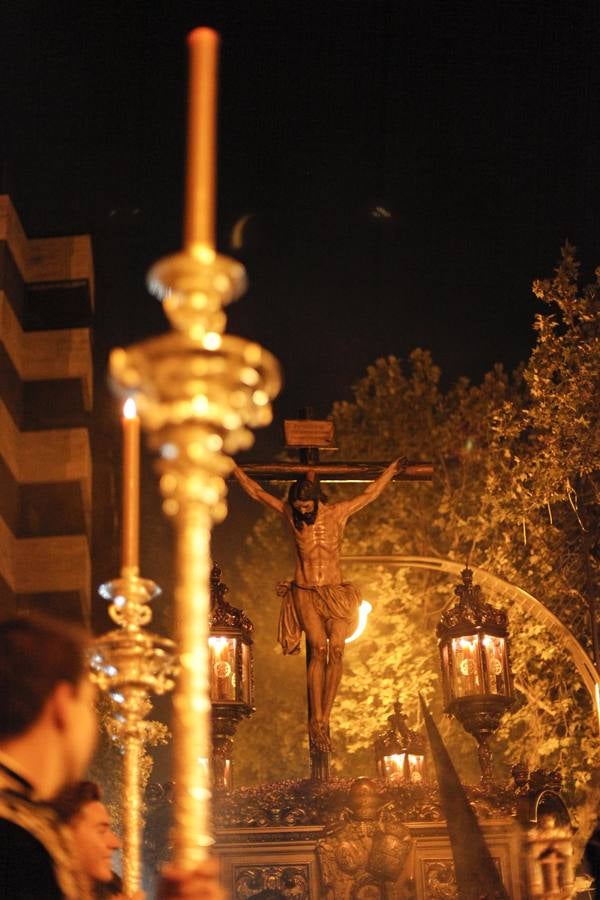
[46, 393]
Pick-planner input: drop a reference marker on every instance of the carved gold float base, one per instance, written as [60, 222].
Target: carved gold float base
[363, 838]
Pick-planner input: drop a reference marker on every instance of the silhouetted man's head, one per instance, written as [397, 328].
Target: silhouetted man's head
[45, 692]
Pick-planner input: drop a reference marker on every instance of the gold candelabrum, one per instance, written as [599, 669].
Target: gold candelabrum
[130, 663]
[198, 391]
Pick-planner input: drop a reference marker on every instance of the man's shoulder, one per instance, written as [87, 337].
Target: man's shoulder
[14, 834]
[26, 868]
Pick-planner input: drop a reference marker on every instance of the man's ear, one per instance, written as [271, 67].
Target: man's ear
[60, 704]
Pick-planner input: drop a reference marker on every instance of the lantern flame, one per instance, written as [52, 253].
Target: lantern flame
[363, 614]
[218, 644]
[467, 643]
[395, 759]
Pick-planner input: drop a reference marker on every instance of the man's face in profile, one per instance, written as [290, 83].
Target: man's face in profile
[95, 841]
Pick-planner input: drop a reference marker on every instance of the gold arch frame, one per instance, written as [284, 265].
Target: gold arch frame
[505, 590]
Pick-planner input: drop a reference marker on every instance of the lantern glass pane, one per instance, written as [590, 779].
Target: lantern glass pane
[495, 657]
[246, 674]
[446, 673]
[222, 668]
[227, 775]
[466, 671]
[416, 767]
[393, 766]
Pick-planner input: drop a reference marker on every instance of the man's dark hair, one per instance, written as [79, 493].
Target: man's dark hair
[72, 799]
[36, 654]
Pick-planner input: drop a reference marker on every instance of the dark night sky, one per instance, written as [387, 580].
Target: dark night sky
[475, 125]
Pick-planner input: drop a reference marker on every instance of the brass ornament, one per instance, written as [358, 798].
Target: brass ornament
[131, 665]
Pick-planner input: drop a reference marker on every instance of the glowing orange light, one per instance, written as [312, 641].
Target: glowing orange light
[218, 644]
[395, 759]
[467, 643]
[363, 614]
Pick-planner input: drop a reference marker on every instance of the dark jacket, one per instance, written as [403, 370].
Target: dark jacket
[36, 862]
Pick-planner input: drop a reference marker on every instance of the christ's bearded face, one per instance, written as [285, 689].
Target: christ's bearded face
[304, 512]
[303, 497]
[304, 507]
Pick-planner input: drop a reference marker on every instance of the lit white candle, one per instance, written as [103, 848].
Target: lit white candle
[199, 229]
[131, 488]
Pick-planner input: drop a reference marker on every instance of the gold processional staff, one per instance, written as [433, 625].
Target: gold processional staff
[197, 392]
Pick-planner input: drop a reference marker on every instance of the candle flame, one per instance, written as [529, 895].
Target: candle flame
[130, 409]
[395, 760]
[363, 614]
[467, 643]
[218, 644]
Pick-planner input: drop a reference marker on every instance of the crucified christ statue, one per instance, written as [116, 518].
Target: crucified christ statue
[318, 601]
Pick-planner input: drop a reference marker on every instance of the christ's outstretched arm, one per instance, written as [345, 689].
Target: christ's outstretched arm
[255, 491]
[374, 489]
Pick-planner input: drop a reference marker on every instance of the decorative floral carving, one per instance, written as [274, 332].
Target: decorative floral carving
[223, 614]
[367, 848]
[294, 803]
[471, 608]
[440, 880]
[290, 881]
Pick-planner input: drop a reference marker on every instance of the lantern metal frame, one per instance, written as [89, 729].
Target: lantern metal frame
[480, 631]
[229, 624]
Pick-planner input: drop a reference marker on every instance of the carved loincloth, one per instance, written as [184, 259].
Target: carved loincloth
[331, 601]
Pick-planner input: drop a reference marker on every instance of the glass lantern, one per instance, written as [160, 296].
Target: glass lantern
[229, 650]
[389, 757]
[230, 663]
[415, 761]
[400, 751]
[476, 676]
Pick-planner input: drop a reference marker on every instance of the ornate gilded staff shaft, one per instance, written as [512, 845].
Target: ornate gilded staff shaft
[197, 391]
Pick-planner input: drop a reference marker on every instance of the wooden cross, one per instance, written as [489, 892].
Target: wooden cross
[309, 437]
